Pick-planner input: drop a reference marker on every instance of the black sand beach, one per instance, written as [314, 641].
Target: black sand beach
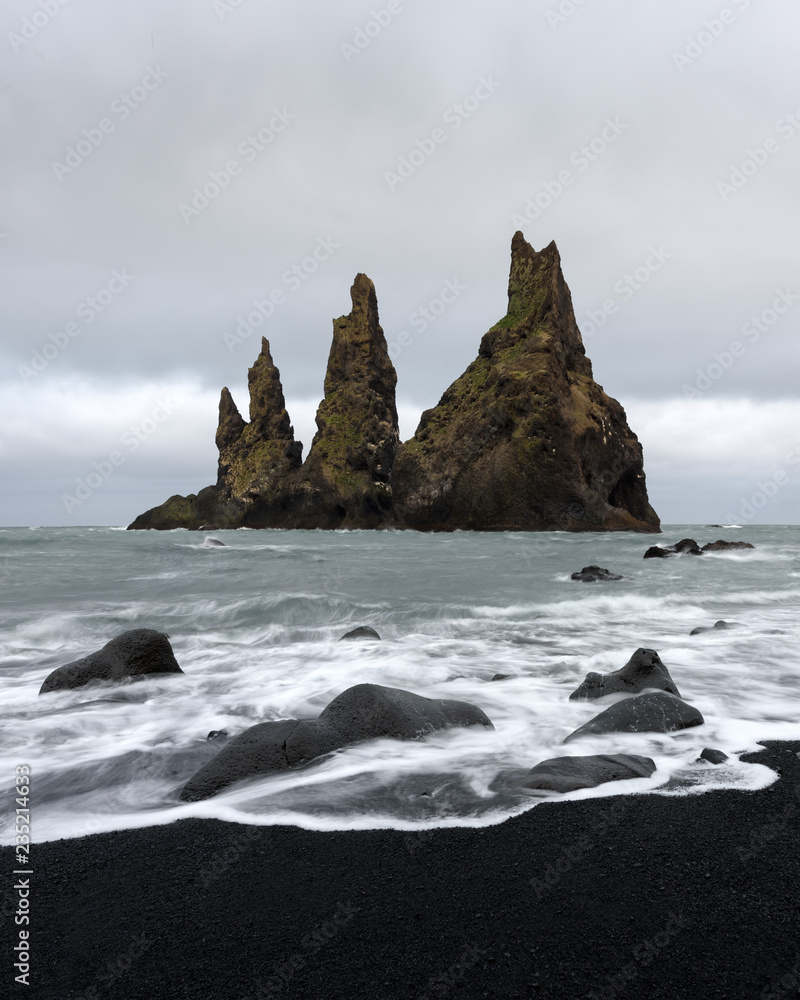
[631, 896]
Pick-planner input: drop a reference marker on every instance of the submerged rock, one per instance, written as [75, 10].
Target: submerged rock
[657, 552]
[525, 439]
[643, 670]
[362, 632]
[654, 712]
[591, 574]
[721, 624]
[565, 774]
[722, 546]
[139, 652]
[363, 712]
[212, 543]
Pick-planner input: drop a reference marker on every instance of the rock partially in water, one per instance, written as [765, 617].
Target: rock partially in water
[592, 574]
[713, 756]
[565, 774]
[643, 670]
[211, 543]
[720, 625]
[686, 546]
[139, 652]
[723, 546]
[363, 712]
[362, 632]
[654, 712]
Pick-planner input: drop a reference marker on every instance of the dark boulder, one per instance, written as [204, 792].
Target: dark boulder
[502, 677]
[654, 712]
[710, 628]
[217, 734]
[362, 632]
[591, 574]
[643, 670]
[713, 756]
[138, 652]
[686, 546]
[656, 552]
[363, 712]
[565, 774]
[258, 750]
[722, 546]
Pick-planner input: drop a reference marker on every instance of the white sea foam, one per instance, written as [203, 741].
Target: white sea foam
[256, 624]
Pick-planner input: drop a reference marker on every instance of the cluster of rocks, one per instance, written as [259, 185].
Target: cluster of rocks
[372, 711]
[688, 546]
[523, 440]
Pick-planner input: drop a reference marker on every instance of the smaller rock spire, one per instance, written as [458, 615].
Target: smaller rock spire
[231, 424]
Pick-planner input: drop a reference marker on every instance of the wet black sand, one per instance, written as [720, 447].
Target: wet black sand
[639, 896]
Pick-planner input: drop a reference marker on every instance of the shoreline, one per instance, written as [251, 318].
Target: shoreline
[627, 896]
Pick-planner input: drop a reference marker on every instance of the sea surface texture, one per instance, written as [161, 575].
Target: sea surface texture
[255, 626]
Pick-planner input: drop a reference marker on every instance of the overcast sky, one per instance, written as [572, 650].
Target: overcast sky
[166, 166]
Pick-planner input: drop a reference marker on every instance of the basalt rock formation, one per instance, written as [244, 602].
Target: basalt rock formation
[525, 439]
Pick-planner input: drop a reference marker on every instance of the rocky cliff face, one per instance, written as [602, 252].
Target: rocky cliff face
[523, 440]
[344, 482]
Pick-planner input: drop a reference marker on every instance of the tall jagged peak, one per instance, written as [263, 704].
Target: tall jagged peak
[231, 424]
[268, 414]
[359, 348]
[539, 302]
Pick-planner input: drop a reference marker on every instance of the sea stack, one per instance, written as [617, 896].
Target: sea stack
[525, 439]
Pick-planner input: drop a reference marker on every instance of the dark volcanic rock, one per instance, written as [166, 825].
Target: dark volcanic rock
[362, 632]
[710, 628]
[686, 546]
[643, 670]
[713, 756]
[654, 712]
[363, 712]
[138, 652]
[656, 552]
[722, 546]
[565, 774]
[254, 460]
[591, 574]
[502, 677]
[525, 439]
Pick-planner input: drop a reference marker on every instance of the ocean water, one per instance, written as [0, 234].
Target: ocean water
[255, 626]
